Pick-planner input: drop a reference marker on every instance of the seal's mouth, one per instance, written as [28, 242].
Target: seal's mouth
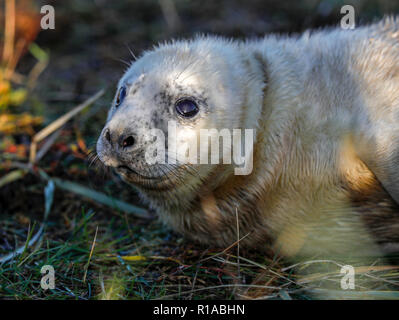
[150, 178]
[156, 183]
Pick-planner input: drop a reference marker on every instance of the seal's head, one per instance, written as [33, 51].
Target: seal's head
[178, 89]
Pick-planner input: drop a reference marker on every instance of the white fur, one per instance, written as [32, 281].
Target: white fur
[312, 100]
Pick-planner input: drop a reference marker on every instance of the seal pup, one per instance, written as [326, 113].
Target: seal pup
[324, 107]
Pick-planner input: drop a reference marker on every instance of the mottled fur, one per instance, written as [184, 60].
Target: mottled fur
[325, 107]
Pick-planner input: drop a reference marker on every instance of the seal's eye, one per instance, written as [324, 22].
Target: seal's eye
[186, 108]
[121, 96]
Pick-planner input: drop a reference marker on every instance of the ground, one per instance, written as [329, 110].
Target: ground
[101, 252]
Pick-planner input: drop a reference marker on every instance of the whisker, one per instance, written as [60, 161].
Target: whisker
[131, 52]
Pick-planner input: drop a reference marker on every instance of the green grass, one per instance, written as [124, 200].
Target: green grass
[167, 267]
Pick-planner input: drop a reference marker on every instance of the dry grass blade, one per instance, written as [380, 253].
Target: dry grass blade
[91, 253]
[238, 245]
[101, 198]
[311, 262]
[133, 258]
[374, 268]
[34, 74]
[21, 249]
[12, 176]
[47, 145]
[9, 34]
[225, 250]
[138, 258]
[59, 123]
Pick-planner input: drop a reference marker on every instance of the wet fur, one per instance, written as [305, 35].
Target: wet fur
[326, 162]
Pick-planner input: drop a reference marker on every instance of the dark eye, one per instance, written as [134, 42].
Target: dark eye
[186, 108]
[121, 96]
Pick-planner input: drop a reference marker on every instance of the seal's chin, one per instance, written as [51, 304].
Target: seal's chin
[134, 172]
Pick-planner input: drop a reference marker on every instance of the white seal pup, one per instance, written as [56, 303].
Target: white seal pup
[324, 168]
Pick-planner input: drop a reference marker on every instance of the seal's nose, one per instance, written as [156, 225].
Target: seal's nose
[107, 136]
[124, 141]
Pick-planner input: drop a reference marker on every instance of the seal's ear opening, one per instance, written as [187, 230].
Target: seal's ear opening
[120, 96]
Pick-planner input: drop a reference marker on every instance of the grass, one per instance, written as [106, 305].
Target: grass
[137, 261]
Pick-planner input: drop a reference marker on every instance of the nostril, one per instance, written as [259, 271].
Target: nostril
[108, 135]
[128, 142]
